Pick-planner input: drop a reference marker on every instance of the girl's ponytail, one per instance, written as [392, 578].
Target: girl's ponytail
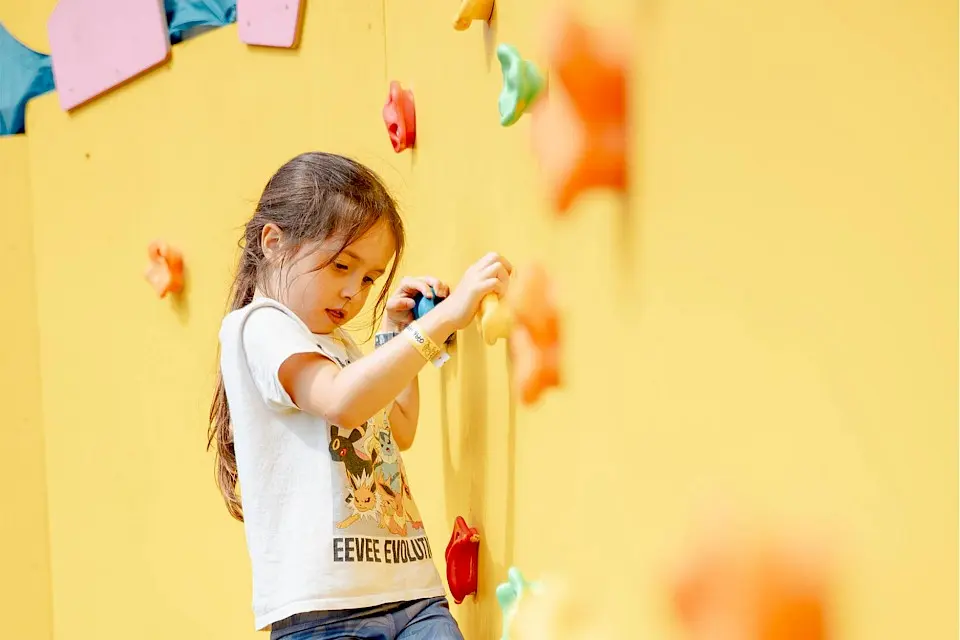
[220, 431]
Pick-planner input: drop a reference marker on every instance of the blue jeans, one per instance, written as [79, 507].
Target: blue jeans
[426, 619]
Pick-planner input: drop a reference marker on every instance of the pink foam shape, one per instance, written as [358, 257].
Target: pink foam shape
[99, 44]
[269, 23]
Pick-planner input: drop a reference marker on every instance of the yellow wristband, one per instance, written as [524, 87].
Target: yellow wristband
[422, 342]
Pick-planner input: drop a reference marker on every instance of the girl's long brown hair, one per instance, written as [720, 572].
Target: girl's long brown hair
[312, 198]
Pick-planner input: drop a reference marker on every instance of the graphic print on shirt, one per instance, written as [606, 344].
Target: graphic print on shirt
[343, 449]
[377, 519]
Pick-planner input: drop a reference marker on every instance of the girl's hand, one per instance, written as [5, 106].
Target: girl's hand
[400, 305]
[490, 274]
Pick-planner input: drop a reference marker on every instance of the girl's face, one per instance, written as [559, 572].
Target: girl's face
[329, 297]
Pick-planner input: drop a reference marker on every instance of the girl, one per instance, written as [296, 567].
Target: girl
[309, 431]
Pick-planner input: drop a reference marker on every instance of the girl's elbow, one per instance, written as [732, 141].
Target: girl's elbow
[341, 415]
[404, 438]
[346, 419]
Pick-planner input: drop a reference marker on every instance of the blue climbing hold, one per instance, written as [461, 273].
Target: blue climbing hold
[423, 304]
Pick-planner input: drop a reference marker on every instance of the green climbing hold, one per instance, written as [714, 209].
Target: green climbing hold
[509, 594]
[522, 84]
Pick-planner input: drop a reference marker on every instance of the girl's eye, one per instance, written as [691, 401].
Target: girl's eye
[368, 280]
[341, 267]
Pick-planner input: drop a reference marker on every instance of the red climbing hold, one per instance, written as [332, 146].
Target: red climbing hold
[463, 554]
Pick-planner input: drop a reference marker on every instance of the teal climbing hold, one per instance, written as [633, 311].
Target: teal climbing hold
[522, 84]
[509, 594]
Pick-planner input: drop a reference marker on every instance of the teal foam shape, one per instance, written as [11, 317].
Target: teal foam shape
[24, 75]
[186, 16]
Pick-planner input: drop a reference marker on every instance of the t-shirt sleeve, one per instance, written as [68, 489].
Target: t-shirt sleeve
[270, 337]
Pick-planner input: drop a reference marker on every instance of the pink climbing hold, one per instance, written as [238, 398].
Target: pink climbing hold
[99, 44]
[269, 23]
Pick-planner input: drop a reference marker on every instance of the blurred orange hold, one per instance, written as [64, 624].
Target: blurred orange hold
[735, 588]
[535, 337]
[165, 273]
[580, 132]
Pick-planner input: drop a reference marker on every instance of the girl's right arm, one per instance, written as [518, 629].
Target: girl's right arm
[350, 396]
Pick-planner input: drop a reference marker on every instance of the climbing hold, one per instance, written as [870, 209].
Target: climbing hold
[400, 117]
[535, 338]
[97, 45]
[509, 595]
[462, 558]
[522, 84]
[529, 317]
[165, 273]
[495, 319]
[423, 305]
[752, 587]
[471, 10]
[580, 135]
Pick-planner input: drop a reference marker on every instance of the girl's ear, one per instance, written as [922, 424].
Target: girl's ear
[270, 238]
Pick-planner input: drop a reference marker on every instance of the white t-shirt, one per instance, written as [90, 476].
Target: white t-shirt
[329, 517]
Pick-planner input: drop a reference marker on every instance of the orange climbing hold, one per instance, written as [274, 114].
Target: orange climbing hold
[400, 117]
[535, 337]
[471, 10]
[165, 273]
[580, 133]
[740, 588]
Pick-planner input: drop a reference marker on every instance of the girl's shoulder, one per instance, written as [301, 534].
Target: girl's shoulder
[342, 343]
[278, 319]
[262, 302]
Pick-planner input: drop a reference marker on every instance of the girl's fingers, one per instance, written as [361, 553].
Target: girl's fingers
[438, 287]
[493, 285]
[413, 286]
[400, 304]
[442, 289]
[494, 257]
[487, 260]
[497, 270]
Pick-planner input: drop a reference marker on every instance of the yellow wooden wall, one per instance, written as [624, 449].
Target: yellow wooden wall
[771, 315]
[24, 542]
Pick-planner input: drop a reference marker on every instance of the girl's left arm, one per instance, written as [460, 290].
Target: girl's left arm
[405, 414]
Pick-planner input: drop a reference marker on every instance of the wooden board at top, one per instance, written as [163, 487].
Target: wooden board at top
[269, 23]
[99, 44]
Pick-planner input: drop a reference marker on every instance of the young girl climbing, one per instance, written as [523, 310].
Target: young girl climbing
[308, 431]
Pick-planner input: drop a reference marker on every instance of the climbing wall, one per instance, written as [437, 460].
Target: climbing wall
[767, 317]
[25, 555]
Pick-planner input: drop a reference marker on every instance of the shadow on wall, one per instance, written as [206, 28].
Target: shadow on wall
[465, 487]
